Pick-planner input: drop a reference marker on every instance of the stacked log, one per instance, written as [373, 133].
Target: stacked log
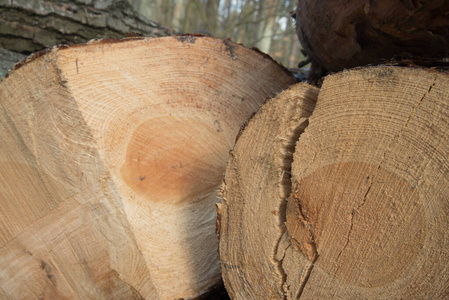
[111, 160]
[341, 192]
[364, 213]
[343, 34]
[114, 152]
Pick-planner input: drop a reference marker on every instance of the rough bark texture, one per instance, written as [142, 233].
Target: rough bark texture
[8, 59]
[368, 212]
[28, 26]
[111, 159]
[342, 34]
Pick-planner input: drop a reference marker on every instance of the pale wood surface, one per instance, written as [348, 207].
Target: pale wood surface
[111, 159]
[257, 183]
[368, 212]
[371, 172]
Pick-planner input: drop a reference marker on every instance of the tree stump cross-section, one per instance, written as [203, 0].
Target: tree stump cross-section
[111, 159]
[367, 213]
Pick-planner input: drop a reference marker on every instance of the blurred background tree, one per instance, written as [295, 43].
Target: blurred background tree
[29, 26]
[265, 24]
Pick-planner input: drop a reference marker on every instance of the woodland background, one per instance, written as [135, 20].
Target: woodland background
[265, 24]
[27, 26]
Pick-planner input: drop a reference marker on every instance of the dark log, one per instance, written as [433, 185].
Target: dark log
[29, 26]
[342, 34]
[7, 60]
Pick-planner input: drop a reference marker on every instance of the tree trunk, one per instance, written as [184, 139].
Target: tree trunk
[341, 34]
[111, 159]
[267, 31]
[179, 14]
[213, 15]
[29, 26]
[7, 60]
[368, 213]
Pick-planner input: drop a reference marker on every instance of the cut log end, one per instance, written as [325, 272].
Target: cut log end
[300, 229]
[167, 162]
[112, 159]
[259, 170]
[367, 216]
[365, 230]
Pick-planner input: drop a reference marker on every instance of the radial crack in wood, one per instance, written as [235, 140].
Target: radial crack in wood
[372, 175]
[111, 159]
[257, 183]
[368, 216]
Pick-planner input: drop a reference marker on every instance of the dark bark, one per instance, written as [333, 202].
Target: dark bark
[341, 34]
[27, 26]
[7, 60]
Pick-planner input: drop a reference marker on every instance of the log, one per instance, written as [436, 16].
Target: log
[343, 34]
[29, 26]
[8, 59]
[254, 191]
[368, 212]
[111, 160]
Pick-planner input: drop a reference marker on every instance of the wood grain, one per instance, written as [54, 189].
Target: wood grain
[112, 159]
[351, 204]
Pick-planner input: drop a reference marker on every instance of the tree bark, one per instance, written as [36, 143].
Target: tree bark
[341, 34]
[111, 161]
[29, 26]
[367, 215]
[7, 60]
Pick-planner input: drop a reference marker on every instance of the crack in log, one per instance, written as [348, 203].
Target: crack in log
[285, 287]
[306, 243]
[288, 150]
[306, 277]
[396, 138]
[347, 241]
[279, 265]
[311, 252]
